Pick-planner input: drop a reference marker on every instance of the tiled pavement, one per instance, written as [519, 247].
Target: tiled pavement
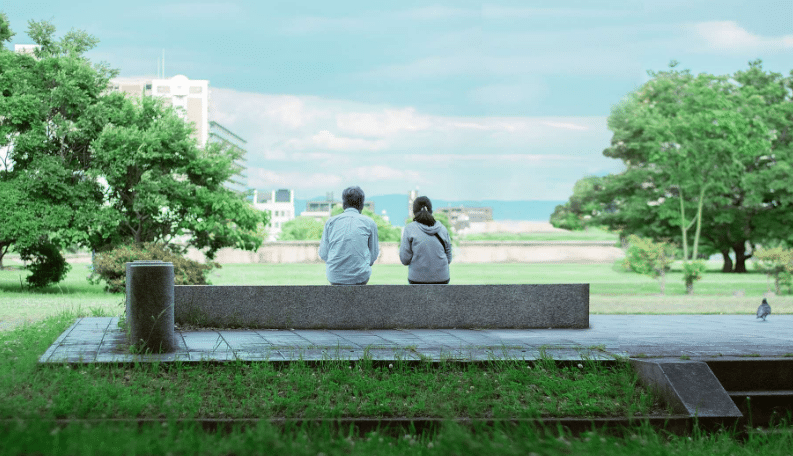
[100, 340]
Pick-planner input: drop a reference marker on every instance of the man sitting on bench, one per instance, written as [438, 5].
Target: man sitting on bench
[349, 242]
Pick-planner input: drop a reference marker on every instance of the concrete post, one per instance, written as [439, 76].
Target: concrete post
[150, 305]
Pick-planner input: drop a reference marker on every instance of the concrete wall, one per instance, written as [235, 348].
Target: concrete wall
[465, 252]
[384, 306]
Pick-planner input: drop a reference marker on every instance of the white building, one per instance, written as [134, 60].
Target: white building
[190, 97]
[281, 204]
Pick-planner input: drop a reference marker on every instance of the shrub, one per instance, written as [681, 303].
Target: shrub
[692, 271]
[110, 266]
[777, 263]
[649, 258]
[47, 264]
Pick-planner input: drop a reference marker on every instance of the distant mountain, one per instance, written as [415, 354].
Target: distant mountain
[396, 206]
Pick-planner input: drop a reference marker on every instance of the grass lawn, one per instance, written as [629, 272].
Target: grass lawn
[30, 395]
[612, 291]
[335, 389]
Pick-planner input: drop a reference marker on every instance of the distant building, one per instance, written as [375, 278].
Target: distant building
[281, 204]
[190, 97]
[461, 217]
[320, 209]
[412, 195]
[28, 49]
[226, 138]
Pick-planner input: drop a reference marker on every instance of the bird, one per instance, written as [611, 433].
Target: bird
[764, 310]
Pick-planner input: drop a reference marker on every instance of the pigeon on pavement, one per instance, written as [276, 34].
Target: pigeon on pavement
[764, 310]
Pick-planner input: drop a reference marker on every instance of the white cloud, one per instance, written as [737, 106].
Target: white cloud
[383, 123]
[377, 173]
[288, 111]
[329, 141]
[566, 126]
[729, 37]
[263, 178]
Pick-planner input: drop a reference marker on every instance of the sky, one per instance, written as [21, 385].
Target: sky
[464, 100]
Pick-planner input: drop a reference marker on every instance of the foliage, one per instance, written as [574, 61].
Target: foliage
[301, 229]
[705, 153]
[692, 271]
[777, 263]
[47, 265]
[110, 266]
[94, 169]
[49, 113]
[385, 231]
[162, 186]
[649, 258]
[577, 212]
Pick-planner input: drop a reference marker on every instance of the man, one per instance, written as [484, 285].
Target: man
[349, 242]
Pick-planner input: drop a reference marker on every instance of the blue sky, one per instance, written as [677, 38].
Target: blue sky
[462, 99]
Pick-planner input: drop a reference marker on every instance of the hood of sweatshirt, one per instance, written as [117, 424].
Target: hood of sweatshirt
[431, 230]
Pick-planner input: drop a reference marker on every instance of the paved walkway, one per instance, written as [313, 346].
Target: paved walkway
[100, 340]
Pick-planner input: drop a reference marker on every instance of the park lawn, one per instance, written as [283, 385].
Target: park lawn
[612, 291]
[32, 395]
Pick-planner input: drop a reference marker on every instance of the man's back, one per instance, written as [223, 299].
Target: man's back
[349, 247]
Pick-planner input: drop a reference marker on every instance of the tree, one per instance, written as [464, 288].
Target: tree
[301, 229]
[577, 212]
[708, 153]
[98, 170]
[162, 187]
[46, 125]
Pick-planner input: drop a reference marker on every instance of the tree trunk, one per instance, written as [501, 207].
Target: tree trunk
[727, 266]
[740, 256]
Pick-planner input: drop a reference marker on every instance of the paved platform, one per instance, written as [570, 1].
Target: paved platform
[100, 340]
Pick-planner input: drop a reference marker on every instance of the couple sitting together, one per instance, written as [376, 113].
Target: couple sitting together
[349, 244]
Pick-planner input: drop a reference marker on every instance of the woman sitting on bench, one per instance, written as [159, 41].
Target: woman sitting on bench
[426, 247]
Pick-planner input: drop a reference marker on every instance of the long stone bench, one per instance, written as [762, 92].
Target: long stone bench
[383, 306]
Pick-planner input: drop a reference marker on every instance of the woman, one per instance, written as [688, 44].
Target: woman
[426, 247]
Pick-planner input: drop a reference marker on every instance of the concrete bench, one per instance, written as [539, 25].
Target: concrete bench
[383, 306]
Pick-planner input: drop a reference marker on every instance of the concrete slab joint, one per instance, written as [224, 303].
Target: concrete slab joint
[689, 387]
[384, 306]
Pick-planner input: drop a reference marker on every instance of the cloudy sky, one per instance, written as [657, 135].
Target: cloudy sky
[463, 99]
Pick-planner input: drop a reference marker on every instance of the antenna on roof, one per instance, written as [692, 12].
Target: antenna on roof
[163, 63]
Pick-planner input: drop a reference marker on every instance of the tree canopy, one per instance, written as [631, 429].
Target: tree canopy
[708, 154]
[84, 166]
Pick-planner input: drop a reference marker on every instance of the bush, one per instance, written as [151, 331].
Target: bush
[110, 267]
[47, 264]
[692, 271]
[777, 263]
[649, 258]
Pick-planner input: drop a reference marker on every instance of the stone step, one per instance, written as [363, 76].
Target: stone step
[761, 408]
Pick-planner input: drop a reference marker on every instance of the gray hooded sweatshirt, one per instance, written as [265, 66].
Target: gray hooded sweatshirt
[426, 257]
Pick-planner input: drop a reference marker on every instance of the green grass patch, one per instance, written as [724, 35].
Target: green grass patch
[332, 389]
[450, 439]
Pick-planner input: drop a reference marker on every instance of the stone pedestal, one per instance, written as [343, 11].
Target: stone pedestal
[150, 314]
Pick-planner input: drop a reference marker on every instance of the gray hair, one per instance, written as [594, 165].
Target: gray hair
[352, 197]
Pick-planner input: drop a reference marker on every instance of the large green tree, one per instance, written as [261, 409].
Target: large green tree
[47, 107]
[707, 159]
[96, 169]
[162, 187]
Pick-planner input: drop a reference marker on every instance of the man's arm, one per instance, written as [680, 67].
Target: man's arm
[323, 243]
[374, 248]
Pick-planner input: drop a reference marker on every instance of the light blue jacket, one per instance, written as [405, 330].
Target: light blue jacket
[349, 247]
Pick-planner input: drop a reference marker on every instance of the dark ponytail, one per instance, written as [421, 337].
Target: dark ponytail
[422, 211]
